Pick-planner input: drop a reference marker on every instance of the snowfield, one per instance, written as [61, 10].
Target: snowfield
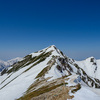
[85, 94]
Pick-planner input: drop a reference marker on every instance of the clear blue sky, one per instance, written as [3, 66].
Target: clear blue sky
[30, 25]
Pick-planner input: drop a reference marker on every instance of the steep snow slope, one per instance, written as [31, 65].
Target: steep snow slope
[48, 74]
[85, 94]
[91, 66]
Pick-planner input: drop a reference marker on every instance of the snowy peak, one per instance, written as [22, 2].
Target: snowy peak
[91, 59]
[47, 55]
[91, 66]
[55, 51]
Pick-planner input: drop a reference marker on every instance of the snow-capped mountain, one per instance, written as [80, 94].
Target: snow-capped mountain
[6, 64]
[91, 66]
[49, 75]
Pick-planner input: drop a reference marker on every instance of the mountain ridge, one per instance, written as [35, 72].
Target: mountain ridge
[43, 73]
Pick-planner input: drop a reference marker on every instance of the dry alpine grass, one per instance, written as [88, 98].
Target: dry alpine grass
[60, 93]
[50, 90]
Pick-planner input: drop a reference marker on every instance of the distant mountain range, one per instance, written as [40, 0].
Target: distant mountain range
[6, 64]
[48, 74]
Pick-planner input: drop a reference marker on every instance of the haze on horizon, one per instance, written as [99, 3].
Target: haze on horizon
[31, 25]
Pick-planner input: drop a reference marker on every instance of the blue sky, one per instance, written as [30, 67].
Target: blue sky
[30, 25]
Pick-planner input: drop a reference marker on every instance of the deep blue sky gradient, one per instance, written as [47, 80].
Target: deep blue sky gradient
[30, 25]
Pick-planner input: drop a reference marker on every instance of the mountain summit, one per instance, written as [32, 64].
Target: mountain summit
[50, 75]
